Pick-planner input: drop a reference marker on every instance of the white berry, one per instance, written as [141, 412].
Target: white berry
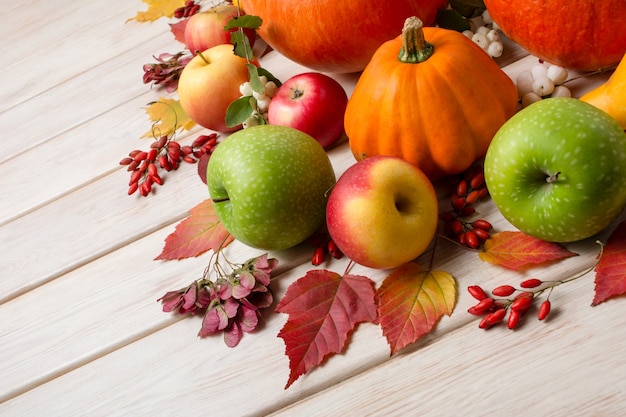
[557, 74]
[245, 89]
[561, 91]
[481, 40]
[263, 103]
[270, 88]
[530, 98]
[539, 71]
[493, 35]
[543, 86]
[495, 49]
[487, 17]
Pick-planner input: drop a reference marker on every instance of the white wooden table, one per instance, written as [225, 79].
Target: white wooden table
[81, 332]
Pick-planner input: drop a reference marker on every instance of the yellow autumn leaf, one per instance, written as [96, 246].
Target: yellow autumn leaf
[167, 116]
[158, 9]
[411, 300]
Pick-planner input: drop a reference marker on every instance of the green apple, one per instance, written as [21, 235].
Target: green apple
[382, 212]
[269, 185]
[557, 170]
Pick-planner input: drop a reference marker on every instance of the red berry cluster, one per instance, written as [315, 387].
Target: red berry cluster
[493, 310]
[470, 189]
[323, 245]
[167, 154]
[189, 9]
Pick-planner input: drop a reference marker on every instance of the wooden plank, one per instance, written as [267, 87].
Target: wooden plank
[149, 373]
[89, 36]
[81, 98]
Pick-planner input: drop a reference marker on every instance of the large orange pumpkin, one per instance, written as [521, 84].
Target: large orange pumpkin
[432, 97]
[583, 34]
[335, 35]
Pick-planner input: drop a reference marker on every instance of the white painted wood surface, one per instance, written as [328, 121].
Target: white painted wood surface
[81, 332]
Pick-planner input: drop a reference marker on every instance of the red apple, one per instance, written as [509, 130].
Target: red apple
[382, 212]
[313, 103]
[206, 29]
[209, 83]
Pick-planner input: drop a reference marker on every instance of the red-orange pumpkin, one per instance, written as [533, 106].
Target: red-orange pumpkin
[432, 97]
[335, 35]
[583, 34]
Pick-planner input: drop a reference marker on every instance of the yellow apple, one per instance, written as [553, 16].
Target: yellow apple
[209, 83]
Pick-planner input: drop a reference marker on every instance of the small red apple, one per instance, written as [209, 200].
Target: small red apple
[313, 103]
[206, 29]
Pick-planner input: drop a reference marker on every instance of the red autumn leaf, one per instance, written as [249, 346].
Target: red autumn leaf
[196, 234]
[178, 30]
[611, 270]
[411, 301]
[516, 250]
[323, 307]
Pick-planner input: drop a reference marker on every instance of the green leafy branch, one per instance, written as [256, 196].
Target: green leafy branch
[244, 107]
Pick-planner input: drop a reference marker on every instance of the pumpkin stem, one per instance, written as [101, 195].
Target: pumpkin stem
[414, 49]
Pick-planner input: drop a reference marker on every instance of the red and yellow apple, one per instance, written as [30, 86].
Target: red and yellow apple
[313, 103]
[206, 29]
[209, 83]
[382, 212]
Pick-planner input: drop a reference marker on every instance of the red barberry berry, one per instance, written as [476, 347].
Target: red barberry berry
[318, 256]
[531, 283]
[492, 318]
[522, 304]
[503, 290]
[471, 240]
[544, 310]
[461, 188]
[514, 317]
[482, 307]
[333, 249]
[477, 181]
[477, 292]
[482, 224]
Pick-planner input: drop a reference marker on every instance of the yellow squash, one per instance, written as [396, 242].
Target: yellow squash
[611, 96]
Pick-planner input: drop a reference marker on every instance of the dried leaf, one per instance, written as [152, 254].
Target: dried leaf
[323, 307]
[196, 234]
[411, 301]
[516, 250]
[158, 9]
[611, 270]
[168, 116]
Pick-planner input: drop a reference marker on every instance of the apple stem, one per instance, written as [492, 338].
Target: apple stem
[220, 200]
[296, 93]
[202, 56]
[414, 49]
[552, 178]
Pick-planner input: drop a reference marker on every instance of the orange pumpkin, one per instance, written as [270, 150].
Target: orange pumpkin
[584, 35]
[432, 97]
[331, 35]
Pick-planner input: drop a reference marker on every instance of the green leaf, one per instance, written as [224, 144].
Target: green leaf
[468, 8]
[239, 111]
[242, 45]
[244, 22]
[270, 77]
[451, 19]
[255, 79]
